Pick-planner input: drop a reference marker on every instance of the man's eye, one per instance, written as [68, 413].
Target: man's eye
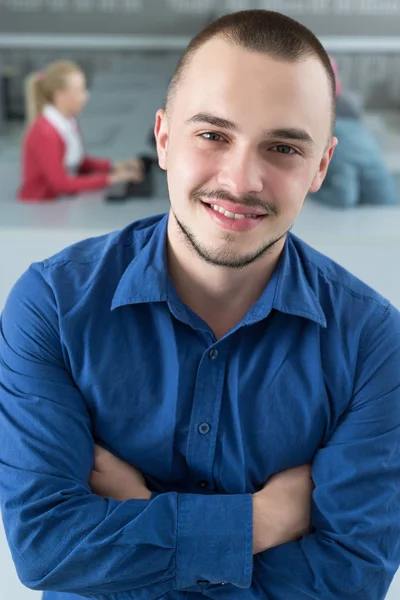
[283, 149]
[211, 136]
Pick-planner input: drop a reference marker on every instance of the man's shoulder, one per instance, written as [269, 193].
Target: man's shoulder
[85, 273]
[108, 249]
[332, 282]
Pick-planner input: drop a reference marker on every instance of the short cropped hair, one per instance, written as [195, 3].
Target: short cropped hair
[260, 31]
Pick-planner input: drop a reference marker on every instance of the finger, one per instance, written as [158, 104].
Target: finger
[99, 452]
[102, 452]
[102, 458]
[100, 486]
[95, 482]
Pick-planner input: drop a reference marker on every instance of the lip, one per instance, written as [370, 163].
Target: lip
[233, 224]
[239, 209]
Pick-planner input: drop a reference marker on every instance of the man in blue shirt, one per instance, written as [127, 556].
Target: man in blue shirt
[215, 353]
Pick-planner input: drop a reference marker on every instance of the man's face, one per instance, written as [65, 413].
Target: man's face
[245, 139]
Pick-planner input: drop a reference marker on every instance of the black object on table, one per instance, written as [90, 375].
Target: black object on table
[143, 189]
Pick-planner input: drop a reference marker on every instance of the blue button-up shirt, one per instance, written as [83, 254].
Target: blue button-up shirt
[96, 345]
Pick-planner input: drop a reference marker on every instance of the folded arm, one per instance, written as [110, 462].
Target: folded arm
[353, 549]
[64, 537]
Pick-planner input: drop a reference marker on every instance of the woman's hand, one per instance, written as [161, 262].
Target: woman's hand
[131, 165]
[122, 176]
[114, 478]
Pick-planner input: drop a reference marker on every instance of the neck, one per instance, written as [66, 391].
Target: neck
[62, 110]
[220, 296]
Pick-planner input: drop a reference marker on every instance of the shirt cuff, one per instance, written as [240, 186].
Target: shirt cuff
[214, 540]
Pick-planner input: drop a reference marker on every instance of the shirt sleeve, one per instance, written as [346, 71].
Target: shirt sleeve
[61, 535]
[49, 156]
[353, 551]
[90, 164]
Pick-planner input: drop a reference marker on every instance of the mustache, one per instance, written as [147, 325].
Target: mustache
[247, 200]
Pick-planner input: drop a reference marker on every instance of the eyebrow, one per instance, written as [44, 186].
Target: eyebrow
[286, 133]
[291, 133]
[210, 119]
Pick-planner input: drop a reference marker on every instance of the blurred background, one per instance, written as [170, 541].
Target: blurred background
[128, 50]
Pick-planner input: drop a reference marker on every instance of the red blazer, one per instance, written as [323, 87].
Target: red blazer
[44, 176]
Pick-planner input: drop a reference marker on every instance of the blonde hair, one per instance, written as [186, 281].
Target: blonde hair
[41, 87]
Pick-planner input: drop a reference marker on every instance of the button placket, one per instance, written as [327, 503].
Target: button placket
[204, 418]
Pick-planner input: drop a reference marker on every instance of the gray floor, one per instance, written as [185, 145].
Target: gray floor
[116, 124]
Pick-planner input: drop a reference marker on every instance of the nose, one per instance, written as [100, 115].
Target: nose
[241, 172]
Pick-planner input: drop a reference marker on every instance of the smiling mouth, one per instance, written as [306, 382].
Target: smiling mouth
[232, 215]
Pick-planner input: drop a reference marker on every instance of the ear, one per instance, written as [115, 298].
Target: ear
[161, 135]
[323, 166]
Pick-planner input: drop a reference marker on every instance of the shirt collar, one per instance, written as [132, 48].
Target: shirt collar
[62, 123]
[146, 278]
[295, 287]
[289, 291]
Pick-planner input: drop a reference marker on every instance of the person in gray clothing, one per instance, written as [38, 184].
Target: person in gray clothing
[357, 173]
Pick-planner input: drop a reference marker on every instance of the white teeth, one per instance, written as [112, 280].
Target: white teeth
[231, 215]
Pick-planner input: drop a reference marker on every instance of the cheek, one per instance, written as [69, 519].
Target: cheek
[288, 184]
[190, 167]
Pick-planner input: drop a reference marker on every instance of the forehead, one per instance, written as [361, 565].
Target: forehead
[255, 88]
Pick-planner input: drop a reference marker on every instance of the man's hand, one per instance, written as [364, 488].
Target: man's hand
[281, 510]
[114, 478]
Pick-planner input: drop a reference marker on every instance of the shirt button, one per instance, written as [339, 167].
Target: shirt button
[204, 428]
[213, 354]
[203, 483]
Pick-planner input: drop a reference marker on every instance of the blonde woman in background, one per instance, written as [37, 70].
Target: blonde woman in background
[53, 157]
